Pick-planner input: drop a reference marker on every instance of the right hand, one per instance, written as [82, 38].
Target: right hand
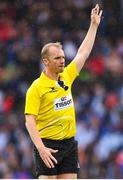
[96, 14]
[47, 157]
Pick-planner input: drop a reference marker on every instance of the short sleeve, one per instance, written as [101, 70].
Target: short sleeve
[32, 103]
[72, 72]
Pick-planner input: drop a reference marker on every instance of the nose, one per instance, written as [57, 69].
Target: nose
[62, 60]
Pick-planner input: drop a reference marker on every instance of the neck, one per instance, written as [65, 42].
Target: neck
[51, 75]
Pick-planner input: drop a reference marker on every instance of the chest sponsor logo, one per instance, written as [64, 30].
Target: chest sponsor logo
[63, 102]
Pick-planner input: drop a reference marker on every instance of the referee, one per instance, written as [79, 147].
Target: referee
[49, 108]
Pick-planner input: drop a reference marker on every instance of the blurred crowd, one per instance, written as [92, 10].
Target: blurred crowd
[25, 26]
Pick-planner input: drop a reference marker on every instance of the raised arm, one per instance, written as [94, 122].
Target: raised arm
[87, 44]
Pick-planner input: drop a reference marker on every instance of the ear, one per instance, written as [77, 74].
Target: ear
[46, 62]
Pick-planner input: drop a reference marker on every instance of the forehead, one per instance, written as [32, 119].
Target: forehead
[56, 51]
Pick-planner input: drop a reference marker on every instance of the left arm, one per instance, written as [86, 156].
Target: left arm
[86, 46]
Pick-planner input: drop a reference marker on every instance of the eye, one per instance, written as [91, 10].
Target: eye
[58, 58]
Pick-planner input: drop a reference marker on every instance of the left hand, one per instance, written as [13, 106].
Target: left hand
[96, 14]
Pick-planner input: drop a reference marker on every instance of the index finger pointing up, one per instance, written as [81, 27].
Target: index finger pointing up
[96, 9]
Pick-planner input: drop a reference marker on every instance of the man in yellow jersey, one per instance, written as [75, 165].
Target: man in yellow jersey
[49, 109]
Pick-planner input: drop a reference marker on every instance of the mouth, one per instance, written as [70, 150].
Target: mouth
[61, 66]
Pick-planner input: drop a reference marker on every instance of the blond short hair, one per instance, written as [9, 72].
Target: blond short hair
[45, 49]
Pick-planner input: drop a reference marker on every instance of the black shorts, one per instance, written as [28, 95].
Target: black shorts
[67, 157]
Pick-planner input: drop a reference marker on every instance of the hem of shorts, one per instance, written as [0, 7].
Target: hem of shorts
[45, 174]
[68, 171]
[58, 173]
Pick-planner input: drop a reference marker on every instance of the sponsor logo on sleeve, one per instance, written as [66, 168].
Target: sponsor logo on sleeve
[53, 89]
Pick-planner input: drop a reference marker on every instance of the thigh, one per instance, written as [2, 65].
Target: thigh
[47, 177]
[67, 176]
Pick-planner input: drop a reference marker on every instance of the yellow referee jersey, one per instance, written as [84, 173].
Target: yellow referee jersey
[53, 105]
